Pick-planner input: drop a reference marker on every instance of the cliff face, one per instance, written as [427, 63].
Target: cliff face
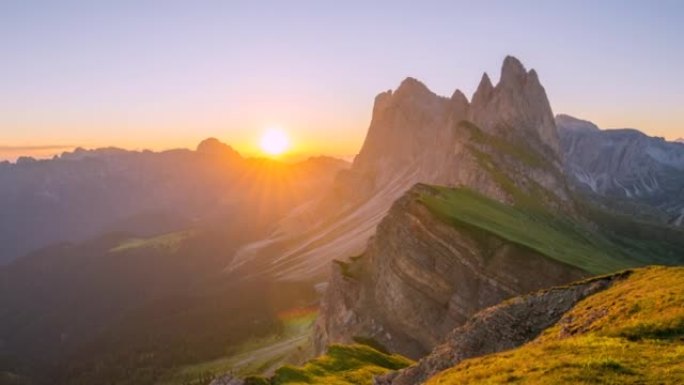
[625, 165]
[502, 144]
[501, 327]
[421, 277]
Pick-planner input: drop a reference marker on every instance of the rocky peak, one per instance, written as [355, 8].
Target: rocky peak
[517, 107]
[459, 104]
[404, 123]
[512, 72]
[484, 90]
[412, 87]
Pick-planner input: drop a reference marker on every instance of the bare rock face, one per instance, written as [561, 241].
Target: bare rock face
[420, 278]
[501, 327]
[416, 136]
[625, 165]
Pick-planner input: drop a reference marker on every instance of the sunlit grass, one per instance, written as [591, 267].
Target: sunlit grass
[341, 365]
[632, 333]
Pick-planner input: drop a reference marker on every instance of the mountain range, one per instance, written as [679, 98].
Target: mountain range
[464, 228]
[91, 192]
[625, 167]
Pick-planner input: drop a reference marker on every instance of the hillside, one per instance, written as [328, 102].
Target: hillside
[631, 333]
[597, 240]
[442, 254]
[132, 310]
[625, 328]
[556, 237]
[341, 365]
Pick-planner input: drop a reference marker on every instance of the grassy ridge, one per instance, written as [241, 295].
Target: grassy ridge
[557, 238]
[341, 365]
[632, 333]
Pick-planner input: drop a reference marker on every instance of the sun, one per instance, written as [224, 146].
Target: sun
[274, 142]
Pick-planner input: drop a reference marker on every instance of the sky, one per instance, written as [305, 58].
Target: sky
[167, 74]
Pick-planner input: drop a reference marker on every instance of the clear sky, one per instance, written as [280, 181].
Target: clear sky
[162, 74]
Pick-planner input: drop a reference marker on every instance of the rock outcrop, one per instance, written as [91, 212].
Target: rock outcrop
[501, 327]
[503, 142]
[420, 278]
[625, 165]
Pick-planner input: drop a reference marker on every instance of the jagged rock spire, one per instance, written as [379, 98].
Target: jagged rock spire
[512, 72]
[484, 91]
[518, 103]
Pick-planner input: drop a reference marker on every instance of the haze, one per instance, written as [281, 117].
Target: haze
[165, 74]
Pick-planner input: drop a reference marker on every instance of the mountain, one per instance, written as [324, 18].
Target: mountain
[502, 144]
[680, 140]
[627, 169]
[82, 194]
[616, 334]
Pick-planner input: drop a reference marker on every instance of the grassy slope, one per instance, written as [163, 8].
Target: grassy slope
[632, 333]
[341, 365]
[636, 239]
[555, 237]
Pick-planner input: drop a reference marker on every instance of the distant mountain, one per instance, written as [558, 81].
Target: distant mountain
[84, 193]
[680, 140]
[625, 166]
